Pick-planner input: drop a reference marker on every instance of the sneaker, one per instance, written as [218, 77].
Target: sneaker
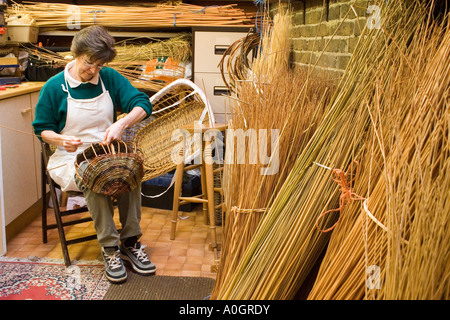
[114, 269]
[138, 258]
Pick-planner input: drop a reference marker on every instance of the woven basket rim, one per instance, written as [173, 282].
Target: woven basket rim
[112, 173]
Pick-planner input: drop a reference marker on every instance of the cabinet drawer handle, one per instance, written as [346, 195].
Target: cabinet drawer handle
[221, 91]
[25, 111]
[220, 49]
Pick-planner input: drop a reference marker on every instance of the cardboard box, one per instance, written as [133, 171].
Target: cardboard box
[22, 33]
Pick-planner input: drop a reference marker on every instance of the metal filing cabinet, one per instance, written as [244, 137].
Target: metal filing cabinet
[209, 44]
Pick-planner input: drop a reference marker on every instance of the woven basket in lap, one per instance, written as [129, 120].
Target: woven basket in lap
[176, 105]
[112, 169]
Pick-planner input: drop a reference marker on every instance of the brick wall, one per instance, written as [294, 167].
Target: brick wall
[332, 27]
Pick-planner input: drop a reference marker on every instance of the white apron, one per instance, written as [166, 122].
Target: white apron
[87, 119]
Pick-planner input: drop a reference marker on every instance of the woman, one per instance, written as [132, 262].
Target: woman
[76, 108]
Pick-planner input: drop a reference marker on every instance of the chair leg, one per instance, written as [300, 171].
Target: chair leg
[44, 220]
[64, 197]
[62, 236]
[208, 164]
[205, 195]
[177, 193]
[44, 201]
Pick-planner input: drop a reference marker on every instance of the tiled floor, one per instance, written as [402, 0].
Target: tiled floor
[187, 255]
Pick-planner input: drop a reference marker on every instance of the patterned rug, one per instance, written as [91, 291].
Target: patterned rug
[44, 279]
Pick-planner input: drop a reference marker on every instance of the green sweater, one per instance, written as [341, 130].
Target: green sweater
[51, 109]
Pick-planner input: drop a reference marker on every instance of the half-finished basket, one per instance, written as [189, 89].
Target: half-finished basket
[111, 169]
[176, 105]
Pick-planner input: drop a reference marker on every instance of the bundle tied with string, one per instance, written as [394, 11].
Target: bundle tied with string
[111, 170]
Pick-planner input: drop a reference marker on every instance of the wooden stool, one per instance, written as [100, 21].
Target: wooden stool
[207, 180]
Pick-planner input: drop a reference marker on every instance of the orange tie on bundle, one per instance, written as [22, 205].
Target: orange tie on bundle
[347, 194]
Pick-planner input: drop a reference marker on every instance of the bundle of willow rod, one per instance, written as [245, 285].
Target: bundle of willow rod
[131, 58]
[58, 15]
[404, 177]
[235, 62]
[178, 48]
[247, 189]
[288, 241]
[418, 208]
[236, 59]
[276, 44]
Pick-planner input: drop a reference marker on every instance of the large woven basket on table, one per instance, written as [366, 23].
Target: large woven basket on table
[176, 105]
[111, 170]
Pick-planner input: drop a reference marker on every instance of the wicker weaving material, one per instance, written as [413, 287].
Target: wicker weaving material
[155, 144]
[178, 104]
[112, 169]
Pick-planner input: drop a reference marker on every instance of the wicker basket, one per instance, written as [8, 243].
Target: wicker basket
[112, 169]
[178, 104]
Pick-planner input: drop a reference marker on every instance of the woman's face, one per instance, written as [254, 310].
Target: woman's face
[85, 69]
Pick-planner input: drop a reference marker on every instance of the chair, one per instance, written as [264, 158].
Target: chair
[59, 213]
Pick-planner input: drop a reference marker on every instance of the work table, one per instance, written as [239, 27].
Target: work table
[21, 89]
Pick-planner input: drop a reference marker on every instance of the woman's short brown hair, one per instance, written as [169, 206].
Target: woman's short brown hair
[95, 42]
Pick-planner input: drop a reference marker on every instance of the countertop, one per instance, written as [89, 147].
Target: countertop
[23, 88]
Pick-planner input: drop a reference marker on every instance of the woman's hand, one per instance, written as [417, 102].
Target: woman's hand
[115, 131]
[70, 143]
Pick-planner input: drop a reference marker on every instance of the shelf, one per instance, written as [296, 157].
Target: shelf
[116, 34]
